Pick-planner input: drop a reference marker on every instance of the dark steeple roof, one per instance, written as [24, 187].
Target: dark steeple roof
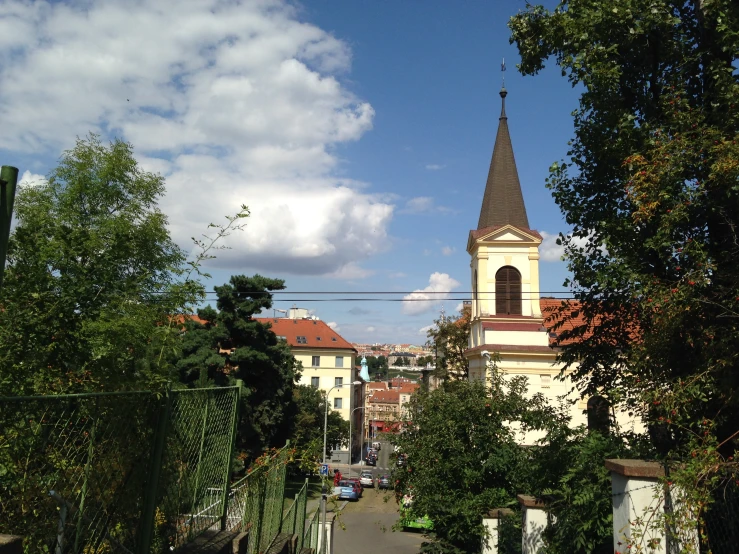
[503, 200]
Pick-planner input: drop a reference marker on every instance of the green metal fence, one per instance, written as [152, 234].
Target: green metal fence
[132, 472]
[310, 535]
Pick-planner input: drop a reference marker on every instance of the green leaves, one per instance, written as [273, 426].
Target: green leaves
[651, 191]
[463, 457]
[231, 345]
[92, 277]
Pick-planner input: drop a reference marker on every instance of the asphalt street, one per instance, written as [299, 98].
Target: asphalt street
[366, 526]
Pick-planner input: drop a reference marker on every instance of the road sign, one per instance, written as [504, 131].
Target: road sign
[324, 470]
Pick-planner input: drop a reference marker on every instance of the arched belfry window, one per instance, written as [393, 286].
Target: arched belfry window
[508, 291]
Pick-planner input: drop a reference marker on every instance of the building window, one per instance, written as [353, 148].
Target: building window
[315, 382]
[318, 339]
[301, 340]
[338, 381]
[508, 291]
[333, 339]
[337, 403]
[339, 361]
[546, 381]
[316, 361]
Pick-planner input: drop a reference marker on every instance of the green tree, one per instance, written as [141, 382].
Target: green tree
[651, 190]
[93, 277]
[421, 361]
[449, 339]
[231, 345]
[463, 456]
[307, 437]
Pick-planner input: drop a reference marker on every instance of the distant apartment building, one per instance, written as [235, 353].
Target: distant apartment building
[382, 412]
[329, 363]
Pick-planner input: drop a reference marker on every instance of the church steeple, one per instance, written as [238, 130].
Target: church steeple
[502, 203]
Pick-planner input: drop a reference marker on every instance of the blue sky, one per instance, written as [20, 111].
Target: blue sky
[358, 133]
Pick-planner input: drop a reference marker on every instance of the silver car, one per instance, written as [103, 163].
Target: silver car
[366, 479]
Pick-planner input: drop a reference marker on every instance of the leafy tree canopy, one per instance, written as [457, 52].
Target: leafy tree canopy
[651, 190]
[92, 277]
[449, 338]
[463, 456]
[308, 434]
[230, 344]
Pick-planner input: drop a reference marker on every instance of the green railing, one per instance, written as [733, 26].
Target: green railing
[312, 529]
[131, 472]
[293, 519]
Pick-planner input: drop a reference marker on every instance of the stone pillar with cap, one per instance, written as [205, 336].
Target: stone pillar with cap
[535, 521]
[491, 522]
[639, 498]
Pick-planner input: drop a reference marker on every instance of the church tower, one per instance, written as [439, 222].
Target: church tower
[506, 312]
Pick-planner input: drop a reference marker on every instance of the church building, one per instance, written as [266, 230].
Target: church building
[508, 314]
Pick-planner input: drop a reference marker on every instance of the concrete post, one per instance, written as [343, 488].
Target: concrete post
[329, 523]
[534, 522]
[639, 505]
[491, 523]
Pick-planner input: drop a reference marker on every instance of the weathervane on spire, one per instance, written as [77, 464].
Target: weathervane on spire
[502, 69]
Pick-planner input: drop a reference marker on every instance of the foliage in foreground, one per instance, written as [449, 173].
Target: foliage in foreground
[463, 454]
[92, 278]
[651, 191]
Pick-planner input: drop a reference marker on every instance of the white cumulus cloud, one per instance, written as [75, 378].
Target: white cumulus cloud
[549, 250]
[334, 326]
[447, 250]
[29, 179]
[426, 299]
[233, 102]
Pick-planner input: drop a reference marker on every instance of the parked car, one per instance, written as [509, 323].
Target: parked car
[384, 482]
[402, 459]
[366, 479]
[358, 484]
[372, 460]
[345, 491]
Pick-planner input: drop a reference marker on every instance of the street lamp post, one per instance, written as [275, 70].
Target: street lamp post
[324, 490]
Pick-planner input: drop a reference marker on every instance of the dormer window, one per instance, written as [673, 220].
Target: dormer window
[301, 340]
[508, 291]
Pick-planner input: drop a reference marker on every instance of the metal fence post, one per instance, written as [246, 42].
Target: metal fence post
[8, 181]
[150, 495]
[232, 449]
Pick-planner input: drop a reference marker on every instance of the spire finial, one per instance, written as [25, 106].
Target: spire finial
[503, 91]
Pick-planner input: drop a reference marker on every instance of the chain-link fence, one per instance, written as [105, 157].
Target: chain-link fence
[720, 522]
[310, 535]
[132, 472]
[293, 519]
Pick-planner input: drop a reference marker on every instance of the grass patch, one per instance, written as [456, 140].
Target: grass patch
[415, 375]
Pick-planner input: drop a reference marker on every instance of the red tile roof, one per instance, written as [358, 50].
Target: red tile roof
[377, 385]
[409, 388]
[317, 334]
[385, 396]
